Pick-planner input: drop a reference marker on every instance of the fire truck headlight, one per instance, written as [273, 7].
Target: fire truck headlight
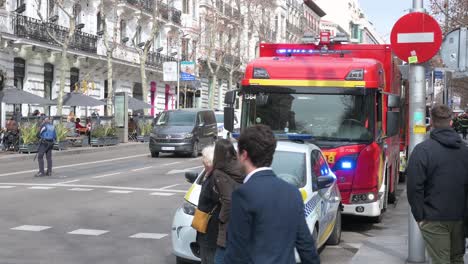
[260, 73]
[363, 198]
[355, 75]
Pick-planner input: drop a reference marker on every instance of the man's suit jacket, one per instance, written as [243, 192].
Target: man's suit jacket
[267, 223]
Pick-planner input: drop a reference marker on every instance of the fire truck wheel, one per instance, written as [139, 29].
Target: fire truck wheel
[335, 236]
[377, 219]
[402, 177]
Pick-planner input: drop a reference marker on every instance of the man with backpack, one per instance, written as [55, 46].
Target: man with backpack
[47, 137]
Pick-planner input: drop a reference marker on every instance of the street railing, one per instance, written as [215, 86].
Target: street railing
[157, 59]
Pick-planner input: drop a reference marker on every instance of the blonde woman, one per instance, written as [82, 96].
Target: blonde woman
[208, 201]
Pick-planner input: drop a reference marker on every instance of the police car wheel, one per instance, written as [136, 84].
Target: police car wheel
[335, 236]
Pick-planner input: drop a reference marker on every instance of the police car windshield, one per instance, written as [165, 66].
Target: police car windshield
[290, 167]
[177, 119]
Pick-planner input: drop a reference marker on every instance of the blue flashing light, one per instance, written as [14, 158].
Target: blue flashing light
[235, 135]
[310, 51]
[346, 165]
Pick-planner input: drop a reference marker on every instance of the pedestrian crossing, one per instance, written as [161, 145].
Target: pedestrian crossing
[122, 191]
[88, 232]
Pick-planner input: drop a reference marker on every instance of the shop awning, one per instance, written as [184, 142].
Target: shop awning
[17, 96]
[79, 99]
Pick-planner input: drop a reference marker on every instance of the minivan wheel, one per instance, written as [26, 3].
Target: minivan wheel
[154, 154]
[195, 150]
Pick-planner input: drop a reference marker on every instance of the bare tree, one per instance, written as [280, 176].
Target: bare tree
[450, 13]
[259, 18]
[143, 47]
[64, 42]
[110, 43]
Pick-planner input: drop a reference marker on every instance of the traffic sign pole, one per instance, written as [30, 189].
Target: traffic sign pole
[417, 111]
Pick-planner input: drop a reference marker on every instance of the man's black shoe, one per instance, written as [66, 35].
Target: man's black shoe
[48, 174]
[39, 174]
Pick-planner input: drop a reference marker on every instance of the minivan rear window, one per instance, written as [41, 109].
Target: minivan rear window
[177, 119]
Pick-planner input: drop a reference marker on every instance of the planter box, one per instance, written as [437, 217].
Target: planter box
[62, 145]
[143, 139]
[29, 148]
[111, 141]
[97, 142]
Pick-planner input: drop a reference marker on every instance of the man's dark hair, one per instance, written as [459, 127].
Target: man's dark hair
[260, 143]
[441, 116]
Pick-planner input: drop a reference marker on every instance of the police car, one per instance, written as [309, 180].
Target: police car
[300, 164]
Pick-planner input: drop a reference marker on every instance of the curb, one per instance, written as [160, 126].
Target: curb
[73, 151]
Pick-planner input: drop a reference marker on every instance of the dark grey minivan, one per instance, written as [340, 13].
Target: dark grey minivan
[183, 131]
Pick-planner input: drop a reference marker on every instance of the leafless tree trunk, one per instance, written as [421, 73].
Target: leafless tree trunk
[110, 47]
[65, 43]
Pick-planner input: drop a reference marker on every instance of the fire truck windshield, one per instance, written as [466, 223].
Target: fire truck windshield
[327, 117]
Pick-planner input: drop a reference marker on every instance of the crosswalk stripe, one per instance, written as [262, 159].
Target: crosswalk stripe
[33, 228]
[162, 194]
[7, 187]
[88, 232]
[80, 189]
[149, 235]
[120, 191]
[41, 188]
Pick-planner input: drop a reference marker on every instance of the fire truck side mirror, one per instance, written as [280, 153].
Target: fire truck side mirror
[229, 118]
[393, 123]
[230, 98]
[393, 101]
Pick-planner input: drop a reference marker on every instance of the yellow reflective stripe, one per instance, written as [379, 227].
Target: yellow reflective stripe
[189, 192]
[307, 83]
[303, 194]
[327, 232]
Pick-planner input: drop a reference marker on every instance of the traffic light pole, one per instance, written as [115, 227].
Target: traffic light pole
[417, 113]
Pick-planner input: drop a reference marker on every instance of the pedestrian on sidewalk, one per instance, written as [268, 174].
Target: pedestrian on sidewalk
[208, 202]
[47, 137]
[228, 176]
[267, 214]
[436, 177]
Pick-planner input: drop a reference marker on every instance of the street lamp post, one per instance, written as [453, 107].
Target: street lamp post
[178, 79]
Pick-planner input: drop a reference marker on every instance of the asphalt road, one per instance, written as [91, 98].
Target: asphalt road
[109, 208]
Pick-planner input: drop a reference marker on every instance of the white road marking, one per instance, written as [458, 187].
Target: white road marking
[7, 187]
[88, 232]
[184, 170]
[106, 175]
[144, 168]
[80, 190]
[419, 37]
[33, 228]
[149, 235]
[41, 187]
[162, 194]
[120, 191]
[168, 187]
[75, 165]
[95, 187]
[199, 158]
[173, 163]
[58, 183]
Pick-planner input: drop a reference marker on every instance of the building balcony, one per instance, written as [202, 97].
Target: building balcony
[146, 5]
[293, 29]
[157, 59]
[34, 29]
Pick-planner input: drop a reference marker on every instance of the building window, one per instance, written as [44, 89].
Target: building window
[74, 79]
[123, 30]
[50, 8]
[186, 6]
[194, 50]
[138, 35]
[48, 79]
[185, 48]
[99, 22]
[77, 13]
[19, 72]
[19, 3]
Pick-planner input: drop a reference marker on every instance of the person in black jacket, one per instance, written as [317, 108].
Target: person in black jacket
[208, 202]
[436, 177]
[267, 220]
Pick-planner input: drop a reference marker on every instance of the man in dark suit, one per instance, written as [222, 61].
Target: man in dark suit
[267, 215]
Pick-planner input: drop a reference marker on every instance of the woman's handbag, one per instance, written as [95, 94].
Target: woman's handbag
[201, 219]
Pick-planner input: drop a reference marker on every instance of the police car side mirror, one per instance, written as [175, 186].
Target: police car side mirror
[191, 176]
[325, 182]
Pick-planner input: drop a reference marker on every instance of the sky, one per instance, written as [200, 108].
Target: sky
[384, 13]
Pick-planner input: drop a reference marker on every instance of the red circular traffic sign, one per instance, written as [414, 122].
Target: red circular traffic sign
[417, 35]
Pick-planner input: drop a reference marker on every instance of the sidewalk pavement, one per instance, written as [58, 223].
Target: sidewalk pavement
[390, 245]
[70, 151]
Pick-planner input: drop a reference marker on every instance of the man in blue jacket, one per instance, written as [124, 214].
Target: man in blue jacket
[48, 136]
[267, 215]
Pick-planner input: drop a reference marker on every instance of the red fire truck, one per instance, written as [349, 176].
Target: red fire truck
[345, 98]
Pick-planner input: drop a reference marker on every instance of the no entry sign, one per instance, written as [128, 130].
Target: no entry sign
[416, 37]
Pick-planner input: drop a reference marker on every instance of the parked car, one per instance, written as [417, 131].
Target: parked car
[222, 133]
[302, 165]
[183, 131]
